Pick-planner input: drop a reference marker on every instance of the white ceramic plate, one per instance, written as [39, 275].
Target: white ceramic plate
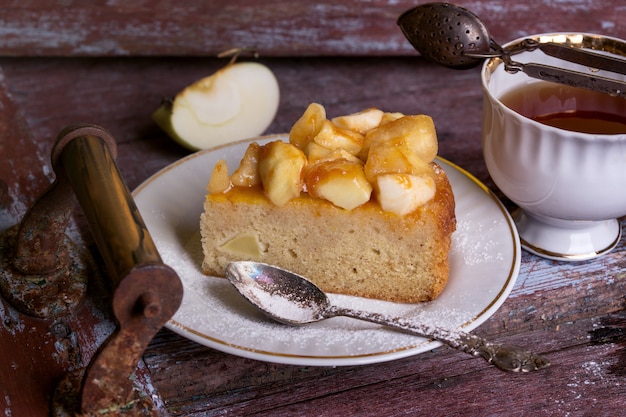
[484, 261]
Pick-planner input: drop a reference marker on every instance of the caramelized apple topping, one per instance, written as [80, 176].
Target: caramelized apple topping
[344, 160]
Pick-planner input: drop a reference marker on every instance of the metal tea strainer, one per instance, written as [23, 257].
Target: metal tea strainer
[455, 37]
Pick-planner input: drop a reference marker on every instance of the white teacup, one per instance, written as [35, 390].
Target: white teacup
[570, 187]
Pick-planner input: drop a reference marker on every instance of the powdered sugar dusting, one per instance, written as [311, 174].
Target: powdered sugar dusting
[475, 242]
[280, 306]
[213, 313]
[214, 306]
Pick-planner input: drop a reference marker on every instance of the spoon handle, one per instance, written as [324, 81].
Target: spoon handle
[504, 357]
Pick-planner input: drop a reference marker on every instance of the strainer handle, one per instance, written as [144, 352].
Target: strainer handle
[583, 57]
[604, 85]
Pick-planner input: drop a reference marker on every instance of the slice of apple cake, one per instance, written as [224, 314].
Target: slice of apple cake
[356, 204]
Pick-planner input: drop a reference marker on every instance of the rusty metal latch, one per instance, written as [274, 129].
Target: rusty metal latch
[46, 279]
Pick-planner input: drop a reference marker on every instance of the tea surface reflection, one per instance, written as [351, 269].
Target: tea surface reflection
[569, 108]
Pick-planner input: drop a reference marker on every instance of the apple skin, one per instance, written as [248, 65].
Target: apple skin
[237, 102]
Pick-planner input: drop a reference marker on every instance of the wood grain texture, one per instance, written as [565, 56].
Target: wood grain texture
[586, 377]
[23, 176]
[554, 307]
[275, 28]
[36, 353]
[112, 62]
[121, 94]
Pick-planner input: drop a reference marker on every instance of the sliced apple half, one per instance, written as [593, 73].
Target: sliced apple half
[237, 102]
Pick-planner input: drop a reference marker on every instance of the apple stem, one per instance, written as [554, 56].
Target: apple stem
[235, 52]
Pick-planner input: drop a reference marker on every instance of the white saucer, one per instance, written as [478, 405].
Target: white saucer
[484, 262]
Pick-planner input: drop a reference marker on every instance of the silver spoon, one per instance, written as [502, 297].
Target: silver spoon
[455, 37]
[292, 299]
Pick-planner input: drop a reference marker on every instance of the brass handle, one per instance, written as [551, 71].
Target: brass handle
[146, 292]
[85, 156]
[46, 277]
[47, 274]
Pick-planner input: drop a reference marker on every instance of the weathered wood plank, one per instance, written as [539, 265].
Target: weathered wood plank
[21, 180]
[22, 176]
[36, 353]
[587, 375]
[121, 94]
[561, 309]
[276, 28]
[545, 309]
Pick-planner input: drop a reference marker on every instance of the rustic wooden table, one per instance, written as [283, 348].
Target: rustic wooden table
[62, 66]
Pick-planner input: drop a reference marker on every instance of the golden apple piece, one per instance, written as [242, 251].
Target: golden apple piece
[361, 121]
[243, 246]
[333, 137]
[281, 168]
[307, 126]
[418, 132]
[390, 117]
[339, 181]
[219, 181]
[247, 174]
[317, 153]
[237, 102]
[403, 193]
[398, 159]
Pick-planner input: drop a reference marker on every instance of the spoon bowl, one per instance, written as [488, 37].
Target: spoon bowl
[282, 295]
[292, 299]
